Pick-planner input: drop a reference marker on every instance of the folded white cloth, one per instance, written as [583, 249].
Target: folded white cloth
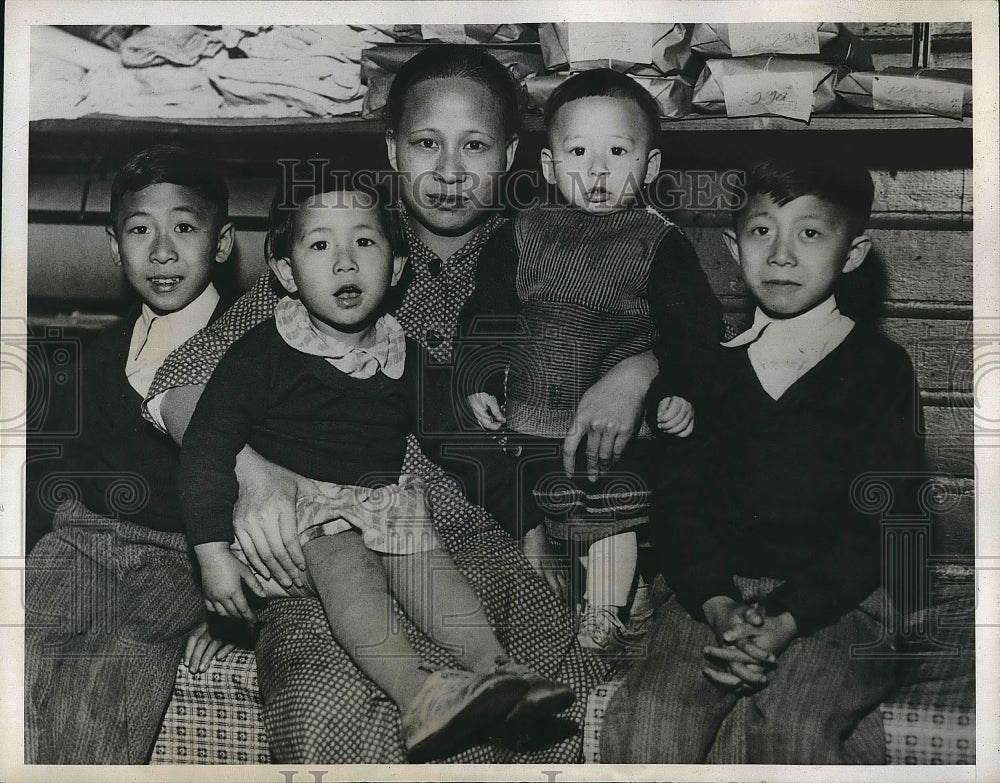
[158, 91]
[177, 44]
[56, 89]
[306, 86]
[50, 42]
[291, 41]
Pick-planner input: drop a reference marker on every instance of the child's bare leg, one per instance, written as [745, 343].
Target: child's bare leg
[611, 564]
[442, 603]
[351, 583]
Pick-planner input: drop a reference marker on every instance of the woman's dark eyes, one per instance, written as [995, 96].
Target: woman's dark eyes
[365, 242]
[184, 228]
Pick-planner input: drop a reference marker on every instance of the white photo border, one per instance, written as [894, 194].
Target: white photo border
[21, 14]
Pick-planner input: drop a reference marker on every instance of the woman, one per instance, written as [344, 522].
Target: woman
[452, 134]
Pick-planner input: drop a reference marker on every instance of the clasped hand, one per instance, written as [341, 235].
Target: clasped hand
[749, 643]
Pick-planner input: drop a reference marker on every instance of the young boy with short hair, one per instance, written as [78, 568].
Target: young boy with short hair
[575, 287]
[116, 570]
[775, 562]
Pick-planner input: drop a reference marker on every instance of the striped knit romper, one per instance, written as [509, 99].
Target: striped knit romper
[582, 283]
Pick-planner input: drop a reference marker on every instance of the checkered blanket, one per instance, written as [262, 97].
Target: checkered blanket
[214, 718]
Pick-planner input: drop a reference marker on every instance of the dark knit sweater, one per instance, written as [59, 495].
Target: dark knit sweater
[767, 490]
[562, 296]
[125, 466]
[297, 411]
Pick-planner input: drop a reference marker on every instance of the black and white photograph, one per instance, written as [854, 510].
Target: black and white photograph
[500, 391]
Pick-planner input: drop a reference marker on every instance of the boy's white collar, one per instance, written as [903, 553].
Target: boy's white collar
[202, 305]
[783, 350]
[801, 326]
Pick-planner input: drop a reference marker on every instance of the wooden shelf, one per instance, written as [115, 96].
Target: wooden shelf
[113, 124]
[250, 147]
[820, 122]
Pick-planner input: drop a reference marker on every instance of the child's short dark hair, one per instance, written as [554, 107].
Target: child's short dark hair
[456, 61]
[164, 163]
[842, 183]
[292, 193]
[604, 83]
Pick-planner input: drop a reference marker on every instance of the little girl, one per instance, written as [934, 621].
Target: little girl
[329, 388]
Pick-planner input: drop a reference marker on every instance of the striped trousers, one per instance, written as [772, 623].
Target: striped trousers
[108, 606]
[819, 706]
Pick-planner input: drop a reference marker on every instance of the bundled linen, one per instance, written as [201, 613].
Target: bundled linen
[673, 93]
[64, 90]
[289, 42]
[462, 33]
[835, 44]
[710, 89]
[295, 71]
[110, 36]
[646, 48]
[380, 64]
[186, 71]
[176, 45]
[57, 89]
[945, 91]
[303, 87]
[159, 91]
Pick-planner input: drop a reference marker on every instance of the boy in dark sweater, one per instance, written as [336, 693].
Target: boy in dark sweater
[111, 595]
[576, 287]
[775, 562]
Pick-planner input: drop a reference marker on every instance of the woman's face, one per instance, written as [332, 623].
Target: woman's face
[450, 150]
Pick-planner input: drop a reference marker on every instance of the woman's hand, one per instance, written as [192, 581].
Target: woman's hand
[264, 519]
[608, 413]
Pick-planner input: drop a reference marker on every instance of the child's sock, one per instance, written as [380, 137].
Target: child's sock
[611, 564]
[442, 603]
[351, 584]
